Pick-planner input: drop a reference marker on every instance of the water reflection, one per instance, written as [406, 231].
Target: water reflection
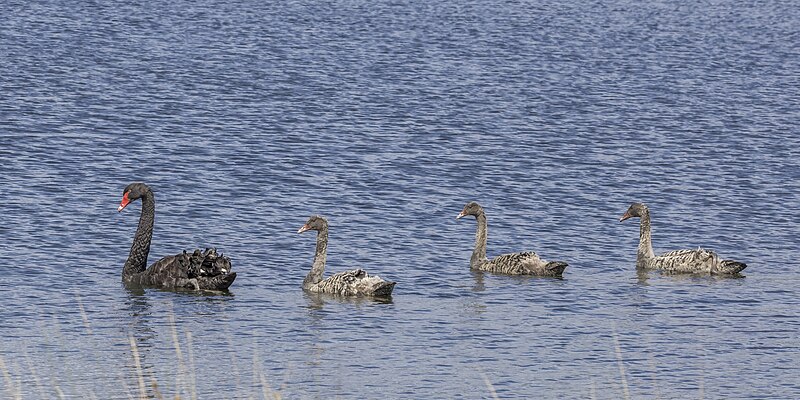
[138, 307]
[480, 279]
[134, 288]
[644, 275]
[142, 334]
[145, 314]
[316, 301]
[480, 285]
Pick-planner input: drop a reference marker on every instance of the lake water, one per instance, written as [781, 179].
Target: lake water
[246, 117]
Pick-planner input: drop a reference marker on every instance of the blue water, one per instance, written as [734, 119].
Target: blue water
[246, 117]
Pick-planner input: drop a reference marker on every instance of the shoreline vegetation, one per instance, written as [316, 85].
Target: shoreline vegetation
[143, 383]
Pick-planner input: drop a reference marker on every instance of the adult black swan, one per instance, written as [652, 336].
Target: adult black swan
[200, 270]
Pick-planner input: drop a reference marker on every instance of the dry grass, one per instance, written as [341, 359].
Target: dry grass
[137, 363]
[147, 386]
[490, 386]
[623, 379]
[182, 381]
[10, 386]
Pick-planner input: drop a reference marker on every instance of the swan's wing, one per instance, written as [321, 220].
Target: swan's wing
[208, 263]
[689, 260]
[516, 263]
[345, 278]
[354, 283]
[170, 267]
[199, 270]
[212, 270]
[527, 263]
[170, 271]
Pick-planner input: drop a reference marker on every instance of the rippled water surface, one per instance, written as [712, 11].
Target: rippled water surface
[246, 117]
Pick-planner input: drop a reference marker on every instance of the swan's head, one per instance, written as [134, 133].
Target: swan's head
[472, 208]
[315, 223]
[132, 192]
[635, 210]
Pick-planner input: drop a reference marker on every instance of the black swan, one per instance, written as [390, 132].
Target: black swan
[527, 263]
[200, 270]
[679, 261]
[349, 283]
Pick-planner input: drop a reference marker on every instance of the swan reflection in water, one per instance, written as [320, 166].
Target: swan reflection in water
[480, 277]
[316, 301]
[137, 306]
[155, 316]
[643, 276]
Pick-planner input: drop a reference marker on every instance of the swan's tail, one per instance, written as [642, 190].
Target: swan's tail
[212, 269]
[383, 289]
[219, 282]
[730, 267]
[555, 268]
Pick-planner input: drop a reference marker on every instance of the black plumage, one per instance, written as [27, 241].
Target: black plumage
[200, 270]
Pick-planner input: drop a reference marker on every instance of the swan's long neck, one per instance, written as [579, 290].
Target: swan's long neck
[137, 259]
[645, 250]
[479, 254]
[318, 267]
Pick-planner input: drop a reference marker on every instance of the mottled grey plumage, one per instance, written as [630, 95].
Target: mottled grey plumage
[349, 283]
[201, 270]
[679, 261]
[527, 263]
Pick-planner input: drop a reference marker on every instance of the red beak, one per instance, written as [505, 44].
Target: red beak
[124, 203]
[460, 215]
[624, 217]
[303, 229]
